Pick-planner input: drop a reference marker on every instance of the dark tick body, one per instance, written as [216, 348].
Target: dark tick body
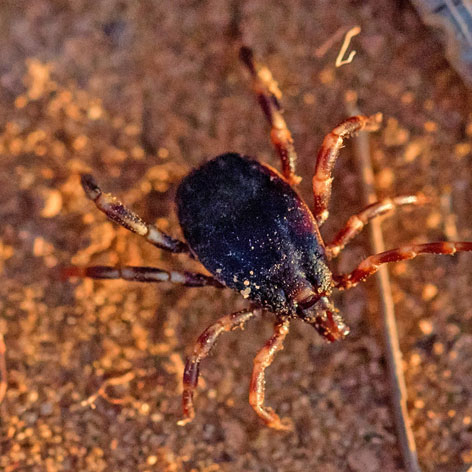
[259, 238]
[252, 231]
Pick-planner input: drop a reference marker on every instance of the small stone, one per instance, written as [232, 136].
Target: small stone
[52, 203]
[363, 460]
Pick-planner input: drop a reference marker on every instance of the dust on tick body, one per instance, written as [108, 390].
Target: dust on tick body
[259, 238]
[251, 230]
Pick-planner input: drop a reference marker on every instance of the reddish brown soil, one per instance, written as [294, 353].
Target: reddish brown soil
[140, 92]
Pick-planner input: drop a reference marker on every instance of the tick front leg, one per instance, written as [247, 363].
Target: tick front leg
[371, 265]
[327, 155]
[119, 213]
[356, 223]
[268, 95]
[263, 360]
[143, 274]
[201, 350]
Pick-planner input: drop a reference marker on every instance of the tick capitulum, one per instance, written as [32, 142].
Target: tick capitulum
[252, 231]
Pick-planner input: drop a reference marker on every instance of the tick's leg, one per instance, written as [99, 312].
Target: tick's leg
[268, 95]
[201, 350]
[371, 265]
[143, 274]
[117, 212]
[328, 154]
[356, 223]
[263, 360]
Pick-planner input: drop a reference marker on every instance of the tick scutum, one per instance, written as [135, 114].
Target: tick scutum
[252, 231]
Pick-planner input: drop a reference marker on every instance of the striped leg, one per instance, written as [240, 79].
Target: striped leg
[263, 360]
[143, 274]
[268, 94]
[371, 265]
[117, 212]
[356, 223]
[201, 350]
[328, 154]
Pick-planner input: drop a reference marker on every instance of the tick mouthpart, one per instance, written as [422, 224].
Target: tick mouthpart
[91, 188]
[247, 57]
[325, 318]
[306, 300]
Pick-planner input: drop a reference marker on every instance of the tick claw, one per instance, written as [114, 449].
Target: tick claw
[284, 424]
[184, 421]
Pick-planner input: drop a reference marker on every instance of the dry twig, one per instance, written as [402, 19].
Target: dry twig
[323, 49]
[102, 391]
[347, 39]
[392, 346]
[3, 369]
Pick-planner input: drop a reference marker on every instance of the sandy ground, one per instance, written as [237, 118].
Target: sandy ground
[139, 93]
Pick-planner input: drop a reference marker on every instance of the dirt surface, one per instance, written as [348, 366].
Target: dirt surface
[138, 93]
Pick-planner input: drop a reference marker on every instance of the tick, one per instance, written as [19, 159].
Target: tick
[247, 225]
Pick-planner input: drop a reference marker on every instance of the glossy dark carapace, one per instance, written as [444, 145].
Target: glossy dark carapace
[254, 234]
[259, 238]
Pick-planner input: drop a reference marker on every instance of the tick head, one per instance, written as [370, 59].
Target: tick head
[324, 317]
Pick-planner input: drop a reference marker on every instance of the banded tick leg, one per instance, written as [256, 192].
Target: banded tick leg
[201, 350]
[269, 95]
[327, 155]
[371, 265]
[119, 213]
[143, 274]
[356, 223]
[263, 360]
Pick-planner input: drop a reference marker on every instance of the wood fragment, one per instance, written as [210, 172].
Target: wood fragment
[347, 40]
[324, 48]
[449, 218]
[102, 391]
[392, 345]
[3, 369]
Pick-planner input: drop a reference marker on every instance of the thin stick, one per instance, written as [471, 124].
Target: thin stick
[349, 35]
[323, 49]
[392, 346]
[3, 369]
[449, 218]
[102, 391]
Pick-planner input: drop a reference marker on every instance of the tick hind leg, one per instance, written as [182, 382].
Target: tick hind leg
[356, 223]
[201, 350]
[327, 155]
[143, 274]
[263, 360]
[372, 264]
[119, 213]
[268, 95]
